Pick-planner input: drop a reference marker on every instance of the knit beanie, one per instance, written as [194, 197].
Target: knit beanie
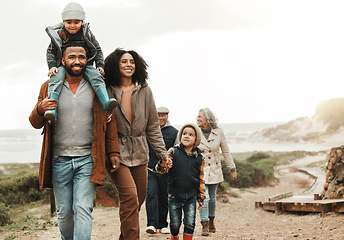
[73, 11]
[197, 131]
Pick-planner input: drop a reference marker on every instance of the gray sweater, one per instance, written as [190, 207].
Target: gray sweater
[73, 131]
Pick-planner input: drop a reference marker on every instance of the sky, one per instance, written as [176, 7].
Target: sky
[247, 60]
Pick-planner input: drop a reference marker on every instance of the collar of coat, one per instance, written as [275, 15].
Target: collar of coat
[195, 152]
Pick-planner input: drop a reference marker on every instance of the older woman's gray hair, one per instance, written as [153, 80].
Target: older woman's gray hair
[209, 117]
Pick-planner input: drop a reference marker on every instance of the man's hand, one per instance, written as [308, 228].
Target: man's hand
[49, 104]
[200, 205]
[101, 70]
[115, 163]
[53, 71]
[233, 175]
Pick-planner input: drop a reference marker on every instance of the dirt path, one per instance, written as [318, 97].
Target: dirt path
[236, 219]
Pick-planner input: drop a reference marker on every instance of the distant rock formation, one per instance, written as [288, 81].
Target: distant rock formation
[334, 186]
[327, 121]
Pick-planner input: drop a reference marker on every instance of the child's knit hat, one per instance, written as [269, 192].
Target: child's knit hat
[197, 130]
[73, 11]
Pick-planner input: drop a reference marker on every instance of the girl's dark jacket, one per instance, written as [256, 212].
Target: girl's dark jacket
[54, 51]
[186, 177]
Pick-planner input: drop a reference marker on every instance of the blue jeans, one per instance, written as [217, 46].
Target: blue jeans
[156, 200]
[176, 207]
[74, 195]
[208, 209]
[92, 75]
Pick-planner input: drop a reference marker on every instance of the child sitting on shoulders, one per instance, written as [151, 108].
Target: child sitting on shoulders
[185, 181]
[73, 28]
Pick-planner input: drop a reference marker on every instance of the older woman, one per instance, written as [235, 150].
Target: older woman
[137, 121]
[212, 140]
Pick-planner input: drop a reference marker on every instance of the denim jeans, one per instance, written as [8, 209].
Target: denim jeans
[176, 207]
[74, 195]
[208, 209]
[93, 76]
[156, 200]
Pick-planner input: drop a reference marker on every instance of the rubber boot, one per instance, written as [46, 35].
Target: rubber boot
[175, 237]
[205, 228]
[108, 104]
[52, 114]
[212, 225]
[187, 237]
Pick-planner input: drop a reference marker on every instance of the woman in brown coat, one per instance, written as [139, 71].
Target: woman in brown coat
[137, 121]
[212, 140]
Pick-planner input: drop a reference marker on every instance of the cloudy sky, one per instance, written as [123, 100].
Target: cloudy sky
[248, 60]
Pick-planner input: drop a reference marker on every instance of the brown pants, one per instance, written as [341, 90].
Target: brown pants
[131, 184]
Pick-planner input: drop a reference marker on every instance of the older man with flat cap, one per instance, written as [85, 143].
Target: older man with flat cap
[156, 200]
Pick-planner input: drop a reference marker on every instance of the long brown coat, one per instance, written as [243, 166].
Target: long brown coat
[104, 137]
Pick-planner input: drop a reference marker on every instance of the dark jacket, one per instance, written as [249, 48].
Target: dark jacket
[186, 177]
[54, 51]
[104, 139]
[169, 133]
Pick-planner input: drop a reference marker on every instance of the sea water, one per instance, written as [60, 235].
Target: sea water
[24, 145]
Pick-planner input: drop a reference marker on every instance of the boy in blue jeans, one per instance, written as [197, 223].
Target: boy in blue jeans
[71, 29]
[185, 181]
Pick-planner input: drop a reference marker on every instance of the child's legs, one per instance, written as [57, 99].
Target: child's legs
[56, 82]
[189, 216]
[175, 207]
[94, 77]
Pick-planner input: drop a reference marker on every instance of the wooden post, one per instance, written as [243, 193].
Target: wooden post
[52, 203]
[279, 208]
[325, 208]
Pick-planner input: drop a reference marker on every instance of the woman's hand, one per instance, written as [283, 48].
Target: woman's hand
[109, 117]
[115, 163]
[200, 205]
[234, 175]
[101, 70]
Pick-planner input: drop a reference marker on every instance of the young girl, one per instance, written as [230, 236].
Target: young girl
[185, 181]
[74, 29]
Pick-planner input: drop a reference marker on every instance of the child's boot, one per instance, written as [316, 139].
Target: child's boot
[52, 114]
[175, 237]
[187, 237]
[108, 104]
[212, 225]
[205, 228]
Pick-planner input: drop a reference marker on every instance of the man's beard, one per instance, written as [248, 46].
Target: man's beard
[70, 71]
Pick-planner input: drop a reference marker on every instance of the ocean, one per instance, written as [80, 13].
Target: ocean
[24, 145]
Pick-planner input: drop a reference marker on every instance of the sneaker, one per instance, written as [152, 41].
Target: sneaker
[151, 230]
[165, 230]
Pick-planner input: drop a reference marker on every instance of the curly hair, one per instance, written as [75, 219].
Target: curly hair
[209, 117]
[112, 73]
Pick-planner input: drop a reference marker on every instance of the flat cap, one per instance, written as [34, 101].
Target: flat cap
[162, 110]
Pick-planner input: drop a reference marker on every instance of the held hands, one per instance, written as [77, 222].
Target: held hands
[49, 104]
[115, 163]
[101, 70]
[200, 205]
[166, 163]
[53, 71]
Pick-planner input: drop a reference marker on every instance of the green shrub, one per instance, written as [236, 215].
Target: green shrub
[257, 170]
[22, 189]
[258, 156]
[4, 215]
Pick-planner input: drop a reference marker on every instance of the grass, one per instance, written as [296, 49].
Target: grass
[28, 219]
